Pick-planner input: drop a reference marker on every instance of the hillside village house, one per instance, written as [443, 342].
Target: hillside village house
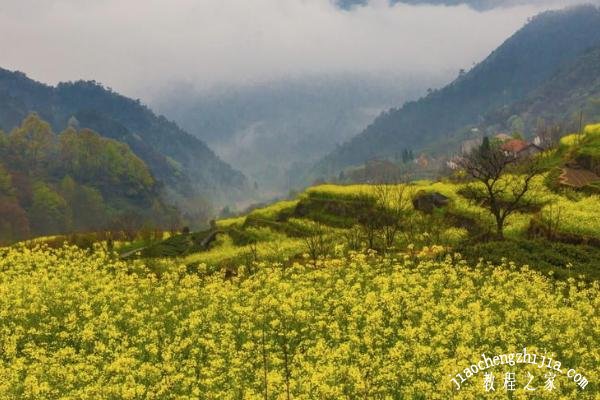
[521, 148]
[422, 161]
[453, 163]
[542, 141]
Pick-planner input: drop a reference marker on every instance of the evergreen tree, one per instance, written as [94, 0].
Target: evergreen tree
[485, 145]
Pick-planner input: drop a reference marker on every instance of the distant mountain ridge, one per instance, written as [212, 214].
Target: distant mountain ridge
[528, 58]
[181, 161]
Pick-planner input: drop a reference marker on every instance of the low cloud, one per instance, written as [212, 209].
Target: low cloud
[475, 4]
[141, 46]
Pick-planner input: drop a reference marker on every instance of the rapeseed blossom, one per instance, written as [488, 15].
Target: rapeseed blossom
[81, 325]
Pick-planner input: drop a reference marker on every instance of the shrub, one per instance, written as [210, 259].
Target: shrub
[561, 259]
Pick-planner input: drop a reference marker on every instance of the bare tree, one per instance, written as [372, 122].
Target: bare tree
[393, 201]
[505, 177]
[251, 256]
[371, 222]
[318, 244]
[354, 238]
[552, 219]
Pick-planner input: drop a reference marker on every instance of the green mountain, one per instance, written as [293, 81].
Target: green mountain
[186, 166]
[75, 181]
[568, 99]
[520, 65]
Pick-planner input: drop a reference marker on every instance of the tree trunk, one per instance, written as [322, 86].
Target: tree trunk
[499, 228]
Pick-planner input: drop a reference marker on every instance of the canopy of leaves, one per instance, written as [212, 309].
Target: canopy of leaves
[74, 181]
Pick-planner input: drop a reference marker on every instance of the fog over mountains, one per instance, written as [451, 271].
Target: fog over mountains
[274, 132]
[270, 94]
[213, 42]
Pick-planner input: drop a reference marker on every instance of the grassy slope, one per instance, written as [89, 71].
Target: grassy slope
[273, 230]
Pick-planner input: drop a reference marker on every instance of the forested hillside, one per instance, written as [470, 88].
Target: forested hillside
[567, 99]
[184, 163]
[76, 181]
[525, 61]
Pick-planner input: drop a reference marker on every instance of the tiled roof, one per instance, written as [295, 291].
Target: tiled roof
[577, 177]
[515, 145]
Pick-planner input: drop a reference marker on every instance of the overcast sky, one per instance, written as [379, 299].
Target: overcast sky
[138, 47]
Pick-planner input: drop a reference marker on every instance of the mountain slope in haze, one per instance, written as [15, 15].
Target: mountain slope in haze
[568, 99]
[274, 130]
[522, 63]
[182, 162]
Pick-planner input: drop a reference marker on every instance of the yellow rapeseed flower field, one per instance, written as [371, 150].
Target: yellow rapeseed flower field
[80, 325]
